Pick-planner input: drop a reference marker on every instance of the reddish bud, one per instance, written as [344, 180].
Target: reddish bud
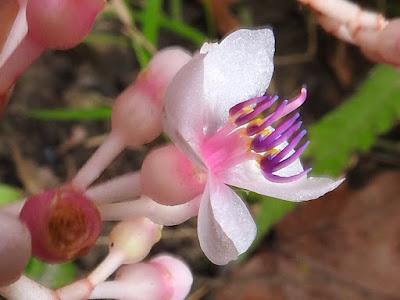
[61, 24]
[64, 224]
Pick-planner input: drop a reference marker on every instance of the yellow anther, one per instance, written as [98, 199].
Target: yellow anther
[266, 132]
[255, 122]
[272, 152]
[246, 110]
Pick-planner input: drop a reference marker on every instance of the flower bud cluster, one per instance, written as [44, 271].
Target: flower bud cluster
[223, 128]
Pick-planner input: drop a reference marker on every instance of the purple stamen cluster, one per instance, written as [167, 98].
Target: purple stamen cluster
[266, 141]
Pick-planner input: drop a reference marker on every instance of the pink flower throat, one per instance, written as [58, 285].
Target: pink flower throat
[249, 135]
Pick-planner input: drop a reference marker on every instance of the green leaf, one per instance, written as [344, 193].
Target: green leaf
[354, 126]
[9, 194]
[183, 30]
[98, 113]
[53, 276]
[176, 10]
[151, 18]
[186, 31]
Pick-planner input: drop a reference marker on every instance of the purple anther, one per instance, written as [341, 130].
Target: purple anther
[280, 179]
[285, 136]
[238, 107]
[253, 129]
[293, 143]
[298, 152]
[258, 109]
[294, 104]
[281, 129]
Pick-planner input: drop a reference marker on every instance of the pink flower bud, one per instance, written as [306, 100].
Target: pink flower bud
[61, 24]
[163, 277]
[179, 180]
[136, 113]
[177, 276]
[15, 248]
[64, 224]
[134, 238]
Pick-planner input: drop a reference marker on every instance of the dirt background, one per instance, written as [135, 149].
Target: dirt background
[346, 246]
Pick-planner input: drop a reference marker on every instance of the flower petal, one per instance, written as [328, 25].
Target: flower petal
[185, 109]
[237, 69]
[225, 226]
[197, 101]
[248, 176]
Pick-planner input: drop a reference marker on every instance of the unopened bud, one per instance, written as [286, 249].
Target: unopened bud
[134, 238]
[170, 178]
[163, 277]
[136, 114]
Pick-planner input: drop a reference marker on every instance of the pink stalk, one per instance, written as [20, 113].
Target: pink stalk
[114, 290]
[104, 155]
[15, 248]
[118, 189]
[162, 214]
[27, 289]
[377, 37]
[18, 62]
[82, 288]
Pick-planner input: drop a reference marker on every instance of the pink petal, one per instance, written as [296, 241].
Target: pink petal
[248, 176]
[225, 226]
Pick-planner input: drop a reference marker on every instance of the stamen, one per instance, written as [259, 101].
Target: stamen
[234, 144]
[260, 144]
[295, 104]
[254, 128]
[248, 103]
[258, 109]
[280, 179]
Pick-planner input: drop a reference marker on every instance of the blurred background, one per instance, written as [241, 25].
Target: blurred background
[345, 245]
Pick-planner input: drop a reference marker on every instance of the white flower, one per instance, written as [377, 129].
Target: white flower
[207, 107]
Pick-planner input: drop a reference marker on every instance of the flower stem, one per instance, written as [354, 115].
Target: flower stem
[108, 266]
[82, 288]
[18, 62]
[27, 289]
[121, 188]
[13, 208]
[104, 155]
[111, 290]
[158, 213]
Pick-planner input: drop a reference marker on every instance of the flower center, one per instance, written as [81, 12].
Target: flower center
[253, 132]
